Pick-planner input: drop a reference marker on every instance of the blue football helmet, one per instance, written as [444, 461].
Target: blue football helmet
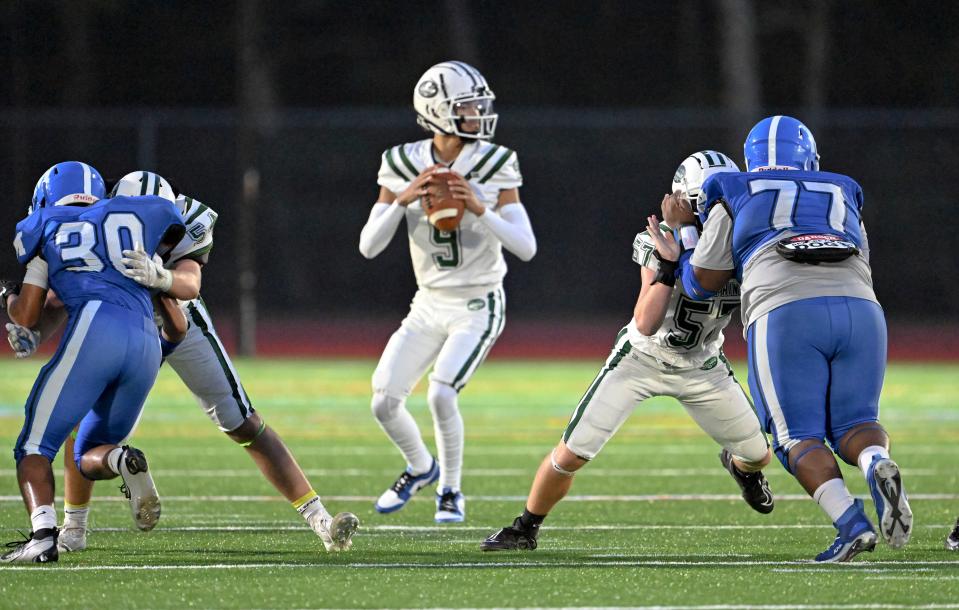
[780, 142]
[68, 183]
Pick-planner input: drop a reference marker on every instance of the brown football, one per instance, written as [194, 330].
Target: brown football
[442, 210]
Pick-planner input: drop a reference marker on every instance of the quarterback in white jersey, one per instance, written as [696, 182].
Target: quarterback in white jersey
[204, 366]
[459, 308]
[672, 346]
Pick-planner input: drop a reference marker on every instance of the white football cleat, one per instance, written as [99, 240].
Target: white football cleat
[450, 507]
[139, 488]
[72, 538]
[335, 532]
[40, 547]
[892, 506]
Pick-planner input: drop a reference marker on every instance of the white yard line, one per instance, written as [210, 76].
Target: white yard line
[575, 498]
[284, 526]
[892, 566]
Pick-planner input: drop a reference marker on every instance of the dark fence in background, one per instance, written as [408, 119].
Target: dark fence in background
[591, 176]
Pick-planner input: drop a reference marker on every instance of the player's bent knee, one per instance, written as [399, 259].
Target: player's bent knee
[385, 407]
[752, 452]
[564, 462]
[802, 450]
[442, 400]
[247, 432]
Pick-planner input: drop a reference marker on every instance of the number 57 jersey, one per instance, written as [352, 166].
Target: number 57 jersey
[83, 247]
[470, 255]
[691, 335]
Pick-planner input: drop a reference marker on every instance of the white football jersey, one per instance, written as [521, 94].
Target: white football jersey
[198, 240]
[470, 255]
[691, 335]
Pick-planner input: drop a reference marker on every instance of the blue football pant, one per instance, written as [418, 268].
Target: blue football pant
[99, 377]
[816, 368]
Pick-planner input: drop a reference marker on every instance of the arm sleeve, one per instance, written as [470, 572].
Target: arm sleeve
[865, 241]
[643, 248]
[714, 250]
[380, 228]
[511, 226]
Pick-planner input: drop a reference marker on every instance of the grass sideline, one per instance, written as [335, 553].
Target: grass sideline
[653, 522]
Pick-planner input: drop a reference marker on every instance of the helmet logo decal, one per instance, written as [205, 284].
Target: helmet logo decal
[428, 89]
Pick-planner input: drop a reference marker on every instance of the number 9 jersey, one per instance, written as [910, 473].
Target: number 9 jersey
[470, 255]
[83, 247]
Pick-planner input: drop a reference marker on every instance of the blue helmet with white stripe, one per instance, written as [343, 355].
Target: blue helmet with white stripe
[68, 183]
[780, 142]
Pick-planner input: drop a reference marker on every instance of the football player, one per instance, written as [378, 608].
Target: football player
[459, 309]
[109, 355]
[794, 237]
[671, 347]
[204, 366]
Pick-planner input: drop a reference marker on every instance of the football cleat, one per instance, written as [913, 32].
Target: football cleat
[892, 506]
[72, 538]
[139, 488]
[39, 547]
[404, 487]
[754, 485]
[513, 538]
[952, 540]
[855, 536]
[450, 506]
[335, 532]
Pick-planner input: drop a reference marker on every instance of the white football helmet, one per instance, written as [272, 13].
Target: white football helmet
[453, 98]
[137, 184]
[693, 171]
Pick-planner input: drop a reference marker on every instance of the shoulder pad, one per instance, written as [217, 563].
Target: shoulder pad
[29, 236]
[643, 249]
[198, 240]
[498, 166]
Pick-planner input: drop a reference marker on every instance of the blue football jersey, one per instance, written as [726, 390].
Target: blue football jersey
[83, 247]
[763, 205]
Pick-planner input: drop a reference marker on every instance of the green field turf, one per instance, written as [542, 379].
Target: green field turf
[653, 521]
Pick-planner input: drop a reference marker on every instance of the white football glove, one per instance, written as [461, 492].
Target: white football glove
[23, 340]
[146, 270]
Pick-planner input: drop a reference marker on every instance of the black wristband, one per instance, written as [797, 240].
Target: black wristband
[666, 274]
[6, 289]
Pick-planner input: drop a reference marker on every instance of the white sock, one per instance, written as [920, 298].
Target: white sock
[113, 459]
[448, 428]
[865, 458]
[311, 507]
[75, 516]
[405, 434]
[833, 497]
[43, 517]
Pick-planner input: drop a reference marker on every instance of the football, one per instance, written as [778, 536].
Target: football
[442, 210]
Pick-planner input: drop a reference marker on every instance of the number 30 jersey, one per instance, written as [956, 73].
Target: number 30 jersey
[83, 247]
[691, 335]
[470, 255]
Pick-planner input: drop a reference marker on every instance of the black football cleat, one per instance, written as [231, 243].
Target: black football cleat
[952, 542]
[513, 538]
[754, 486]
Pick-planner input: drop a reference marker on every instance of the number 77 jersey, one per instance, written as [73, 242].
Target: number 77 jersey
[83, 247]
[750, 218]
[765, 205]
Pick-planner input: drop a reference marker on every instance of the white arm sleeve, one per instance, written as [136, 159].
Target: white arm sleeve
[36, 272]
[511, 226]
[380, 228]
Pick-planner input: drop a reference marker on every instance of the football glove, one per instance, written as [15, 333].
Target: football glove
[146, 270]
[6, 289]
[23, 340]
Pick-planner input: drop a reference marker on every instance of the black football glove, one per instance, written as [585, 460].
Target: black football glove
[6, 289]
